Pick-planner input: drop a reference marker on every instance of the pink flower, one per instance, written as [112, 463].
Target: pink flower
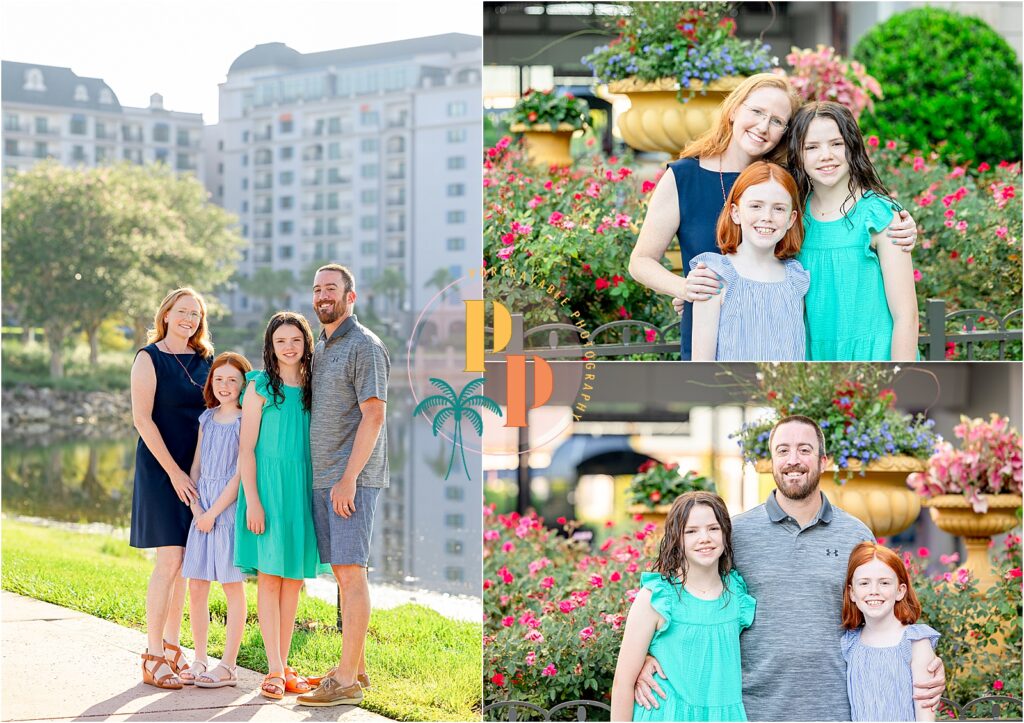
[508, 547]
[550, 672]
[587, 633]
[961, 226]
[597, 581]
[547, 583]
[522, 229]
[957, 172]
[488, 584]
[873, 141]
[949, 559]
[567, 606]
[503, 143]
[918, 275]
[594, 189]
[891, 145]
[949, 223]
[531, 658]
[491, 535]
[538, 565]
[1015, 572]
[997, 685]
[615, 576]
[632, 567]
[508, 621]
[534, 636]
[963, 575]
[648, 186]
[1001, 231]
[498, 679]
[555, 218]
[923, 552]
[949, 213]
[982, 167]
[548, 185]
[560, 520]
[651, 334]
[601, 283]
[534, 202]
[918, 164]
[621, 220]
[505, 575]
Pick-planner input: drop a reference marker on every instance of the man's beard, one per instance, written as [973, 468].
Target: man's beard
[329, 317]
[798, 490]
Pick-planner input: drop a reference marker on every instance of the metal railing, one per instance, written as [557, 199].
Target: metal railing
[996, 705]
[629, 337]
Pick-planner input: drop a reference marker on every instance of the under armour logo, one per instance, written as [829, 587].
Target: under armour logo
[831, 553]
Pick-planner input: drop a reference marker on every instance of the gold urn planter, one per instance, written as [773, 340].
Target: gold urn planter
[658, 121]
[955, 515]
[880, 499]
[546, 146]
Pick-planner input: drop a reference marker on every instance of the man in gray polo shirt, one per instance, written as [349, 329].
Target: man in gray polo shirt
[348, 444]
[793, 552]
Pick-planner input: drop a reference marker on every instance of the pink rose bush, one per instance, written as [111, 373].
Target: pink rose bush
[567, 614]
[822, 74]
[988, 462]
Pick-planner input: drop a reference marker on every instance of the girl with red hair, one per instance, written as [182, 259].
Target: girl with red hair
[886, 651]
[759, 314]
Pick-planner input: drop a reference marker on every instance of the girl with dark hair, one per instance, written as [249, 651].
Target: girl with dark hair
[688, 614]
[759, 314]
[862, 304]
[275, 539]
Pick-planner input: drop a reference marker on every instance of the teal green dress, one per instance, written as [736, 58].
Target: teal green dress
[698, 648]
[284, 481]
[847, 315]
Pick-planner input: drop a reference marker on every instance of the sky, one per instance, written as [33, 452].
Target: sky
[183, 49]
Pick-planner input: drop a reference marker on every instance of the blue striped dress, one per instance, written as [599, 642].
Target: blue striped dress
[760, 320]
[879, 680]
[211, 556]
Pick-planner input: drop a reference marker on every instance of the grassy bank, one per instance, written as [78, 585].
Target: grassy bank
[424, 666]
[30, 366]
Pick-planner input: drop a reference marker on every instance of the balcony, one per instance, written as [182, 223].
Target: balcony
[312, 181]
[50, 132]
[263, 185]
[266, 136]
[264, 209]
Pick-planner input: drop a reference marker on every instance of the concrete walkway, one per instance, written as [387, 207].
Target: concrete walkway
[59, 664]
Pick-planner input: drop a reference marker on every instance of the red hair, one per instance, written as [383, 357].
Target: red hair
[238, 361]
[728, 231]
[907, 610]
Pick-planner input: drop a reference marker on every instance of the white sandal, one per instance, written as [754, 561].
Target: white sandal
[218, 682]
[188, 673]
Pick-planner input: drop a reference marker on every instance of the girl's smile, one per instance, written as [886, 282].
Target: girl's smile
[764, 214]
[702, 537]
[824, 154]
[227, 383]
[874, 589]
[289, 344]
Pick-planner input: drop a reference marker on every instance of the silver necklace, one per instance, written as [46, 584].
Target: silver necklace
[175, 357]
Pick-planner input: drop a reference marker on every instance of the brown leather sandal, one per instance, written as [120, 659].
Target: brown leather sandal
[149, 675]
[273, 695]
[177, 662]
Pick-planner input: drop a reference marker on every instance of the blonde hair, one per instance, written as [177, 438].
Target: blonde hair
[716, 139]
[200, 339]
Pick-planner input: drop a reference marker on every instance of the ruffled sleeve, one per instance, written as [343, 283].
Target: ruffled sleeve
[917, 632]
[878, 211]
[747, 604]
[799, 277]
[204, 418]
[716, 262]
[259, 377]
[847, 642]
[663, 596]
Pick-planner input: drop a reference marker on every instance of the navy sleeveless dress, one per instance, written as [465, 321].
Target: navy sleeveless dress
[700, 203]
[159, 518]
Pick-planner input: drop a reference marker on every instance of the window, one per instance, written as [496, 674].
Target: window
[286, 202]
[453, 547]
[369, 196]
[456, 109]
[42, 125]
[220, 145]
[456, 217]
[77, 152]
[332, 200]
[456, 189]
[11, 122]
[245, 136]
[245, 206]
[287, 178]
[456, 135]
[160, 155]
[454, 520]
[220, 168]
[34, 80]
[245, 229]
[81, 93]
[368, 145]
[334, 151]
[368, 248]
[334, 125]
[456, 244]
[285, 228]
[285, 252]
[42, 150]
[245, 160]
[182, 137]
[162, 133]
[78, 125]
[106, 97]
[101, 153]
[286, 125]
[11, 148]
[245, 184]
[453, 574]
[396, 144]
[456, 163]
[368, 170]
[369, 118]
[454, 493]
[368, 222]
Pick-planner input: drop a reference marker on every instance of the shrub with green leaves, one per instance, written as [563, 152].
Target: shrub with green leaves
[946, 77]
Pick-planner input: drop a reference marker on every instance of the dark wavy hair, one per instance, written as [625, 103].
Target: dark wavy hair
[671, 562]
[863, 176]
[270, 365]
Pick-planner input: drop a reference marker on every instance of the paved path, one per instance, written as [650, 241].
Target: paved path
[63, 665]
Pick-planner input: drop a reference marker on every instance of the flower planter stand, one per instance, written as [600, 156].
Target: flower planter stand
[658, 121]
[880, 499]
[546, 146]
[953, 514]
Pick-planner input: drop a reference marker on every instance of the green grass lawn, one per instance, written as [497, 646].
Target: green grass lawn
[423, 665]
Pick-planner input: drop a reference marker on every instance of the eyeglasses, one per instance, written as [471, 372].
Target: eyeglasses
[774, 122]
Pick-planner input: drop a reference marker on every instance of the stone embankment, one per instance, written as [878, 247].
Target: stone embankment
[53, 414]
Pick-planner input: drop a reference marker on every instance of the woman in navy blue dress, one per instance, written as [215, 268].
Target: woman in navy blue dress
[690, 197]
[167, 398]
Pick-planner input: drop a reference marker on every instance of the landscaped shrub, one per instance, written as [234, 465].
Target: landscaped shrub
[946, 77]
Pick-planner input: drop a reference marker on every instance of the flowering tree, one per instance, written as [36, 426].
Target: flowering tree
[988, 462]
[822, 74]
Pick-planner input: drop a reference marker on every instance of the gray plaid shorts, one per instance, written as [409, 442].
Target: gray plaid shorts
[344, 540]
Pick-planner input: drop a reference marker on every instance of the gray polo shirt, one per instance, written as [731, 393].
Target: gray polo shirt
[350, 367]
[792, 665]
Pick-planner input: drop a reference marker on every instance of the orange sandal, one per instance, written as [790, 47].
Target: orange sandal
[271, 694]
[149, 674]
[176, 662]
[293, 682]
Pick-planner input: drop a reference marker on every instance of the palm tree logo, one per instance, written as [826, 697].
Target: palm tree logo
[456, 406]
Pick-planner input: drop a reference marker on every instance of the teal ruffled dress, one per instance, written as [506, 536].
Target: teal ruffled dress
[847, 315]
[284, 481]
[698, 648]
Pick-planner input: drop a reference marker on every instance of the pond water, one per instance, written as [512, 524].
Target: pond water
[89, 483]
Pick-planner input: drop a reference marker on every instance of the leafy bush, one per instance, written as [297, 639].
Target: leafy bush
[536, 107]
[822, 74]
[30, 365]
[660, 484]
[946, 77]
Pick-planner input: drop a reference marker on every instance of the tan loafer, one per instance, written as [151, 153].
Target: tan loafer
[330, 692]
[363, 679]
